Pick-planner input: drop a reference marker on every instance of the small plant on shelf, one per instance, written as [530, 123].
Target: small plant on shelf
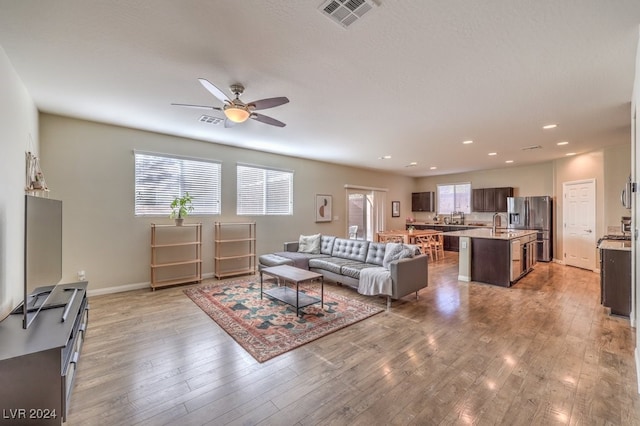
[180, 208]
[411, 228]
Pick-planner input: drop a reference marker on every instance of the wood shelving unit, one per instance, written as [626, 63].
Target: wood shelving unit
[235, 249]
[177, 250]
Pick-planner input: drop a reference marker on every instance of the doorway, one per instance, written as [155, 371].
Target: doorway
[579, 223]
[365, 213]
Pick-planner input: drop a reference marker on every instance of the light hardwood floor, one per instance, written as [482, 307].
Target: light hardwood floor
[542, 352]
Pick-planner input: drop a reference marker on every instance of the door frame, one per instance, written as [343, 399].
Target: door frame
[565, 185]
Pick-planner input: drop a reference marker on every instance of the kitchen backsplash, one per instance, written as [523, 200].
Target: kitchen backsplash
[471, 217]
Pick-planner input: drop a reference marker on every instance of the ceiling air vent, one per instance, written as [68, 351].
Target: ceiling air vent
[210, 120]
[532, 147]
[346, 12]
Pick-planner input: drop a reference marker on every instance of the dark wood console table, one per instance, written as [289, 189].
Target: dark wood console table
[37, 365]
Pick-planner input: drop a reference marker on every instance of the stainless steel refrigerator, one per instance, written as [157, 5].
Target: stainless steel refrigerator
[533, 213]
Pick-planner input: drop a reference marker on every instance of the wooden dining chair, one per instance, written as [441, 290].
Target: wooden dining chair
[424, 244]
[437, 244]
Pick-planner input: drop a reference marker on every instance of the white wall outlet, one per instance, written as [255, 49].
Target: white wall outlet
[81, 276]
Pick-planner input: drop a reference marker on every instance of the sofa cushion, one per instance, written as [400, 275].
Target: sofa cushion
[300, 260]
[375, 253]
[350, 249]
[273, 259]
[332, 264]
[395, 251]
[326, 244]
[353, 269]
[309, 244]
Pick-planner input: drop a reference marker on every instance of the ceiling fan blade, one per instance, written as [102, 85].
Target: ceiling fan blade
[214, 90]
[267, 120]
[268, 103]
[198, 106]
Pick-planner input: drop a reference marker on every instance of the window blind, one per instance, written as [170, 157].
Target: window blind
[454, 197]
[161, 178]
[264, 191]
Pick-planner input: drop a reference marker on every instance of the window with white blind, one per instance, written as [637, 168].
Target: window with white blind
[160, 178]
[264, 191]
[454, 198]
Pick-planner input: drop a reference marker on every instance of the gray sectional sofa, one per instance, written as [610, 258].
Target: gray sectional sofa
[343, 260]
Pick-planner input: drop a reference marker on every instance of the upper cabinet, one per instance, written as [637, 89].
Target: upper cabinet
[501, 198]
[490, 199]
[422, 202]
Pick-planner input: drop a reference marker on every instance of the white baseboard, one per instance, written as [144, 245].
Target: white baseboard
[128, 287]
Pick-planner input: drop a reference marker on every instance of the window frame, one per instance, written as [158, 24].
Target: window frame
[456, 205]
[267, 209]
[189, 179]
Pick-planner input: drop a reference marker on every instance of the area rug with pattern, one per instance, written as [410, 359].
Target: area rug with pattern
[266, 327]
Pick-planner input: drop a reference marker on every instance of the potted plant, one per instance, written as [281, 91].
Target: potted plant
[411, 228]
[180, 208]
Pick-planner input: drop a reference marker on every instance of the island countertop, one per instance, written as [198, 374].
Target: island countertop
[615, 245]
[502, 234]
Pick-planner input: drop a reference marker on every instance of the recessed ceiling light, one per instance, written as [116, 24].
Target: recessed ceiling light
[432, 168]
[509, 161]
[412, 164]
[570, 153]
[385, 157]
[467, 142]
[563, 143]
[549, 126]
[493, 153]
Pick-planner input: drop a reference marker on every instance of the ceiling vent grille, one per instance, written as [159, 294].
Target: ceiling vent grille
[210, 120]
[531, 148]
[346, 12]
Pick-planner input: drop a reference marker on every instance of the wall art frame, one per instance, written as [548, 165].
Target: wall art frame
[324, 205]
[395, 209]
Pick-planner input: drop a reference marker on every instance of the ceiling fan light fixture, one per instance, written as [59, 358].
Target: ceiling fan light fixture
[235, 114]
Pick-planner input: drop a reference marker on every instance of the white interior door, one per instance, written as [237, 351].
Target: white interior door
[579, 217]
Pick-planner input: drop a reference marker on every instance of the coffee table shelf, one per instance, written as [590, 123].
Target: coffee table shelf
[288, 296]
[292, 297]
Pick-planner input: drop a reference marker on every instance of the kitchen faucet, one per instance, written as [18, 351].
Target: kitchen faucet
[498, 223]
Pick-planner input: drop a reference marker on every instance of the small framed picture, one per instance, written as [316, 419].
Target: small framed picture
[323, 208]
[395, 209]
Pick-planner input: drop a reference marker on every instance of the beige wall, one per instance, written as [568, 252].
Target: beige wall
[617, 169]
[18, 133]
[90, 166]
[579, 167]
[536, 179]
[609, 166]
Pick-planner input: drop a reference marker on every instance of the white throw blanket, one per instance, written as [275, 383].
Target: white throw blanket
[375, 281]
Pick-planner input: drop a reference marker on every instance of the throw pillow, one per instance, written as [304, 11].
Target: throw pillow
[395, 251]
[309, 244]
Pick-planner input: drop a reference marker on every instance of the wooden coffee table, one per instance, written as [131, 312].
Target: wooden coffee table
[288, 295]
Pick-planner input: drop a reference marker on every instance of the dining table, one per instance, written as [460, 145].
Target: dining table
[408, 237]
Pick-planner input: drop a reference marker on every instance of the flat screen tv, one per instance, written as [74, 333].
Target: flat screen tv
[42, 254]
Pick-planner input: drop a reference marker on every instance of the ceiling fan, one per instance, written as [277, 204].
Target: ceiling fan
[237, 111]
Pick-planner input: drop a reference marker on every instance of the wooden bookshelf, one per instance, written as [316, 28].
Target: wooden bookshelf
[176, 254]
[235, 248]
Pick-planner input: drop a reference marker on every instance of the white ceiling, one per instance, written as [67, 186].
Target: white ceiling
[411, 79]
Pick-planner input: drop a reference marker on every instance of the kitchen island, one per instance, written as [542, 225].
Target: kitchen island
[499, 258]
[615, 276]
